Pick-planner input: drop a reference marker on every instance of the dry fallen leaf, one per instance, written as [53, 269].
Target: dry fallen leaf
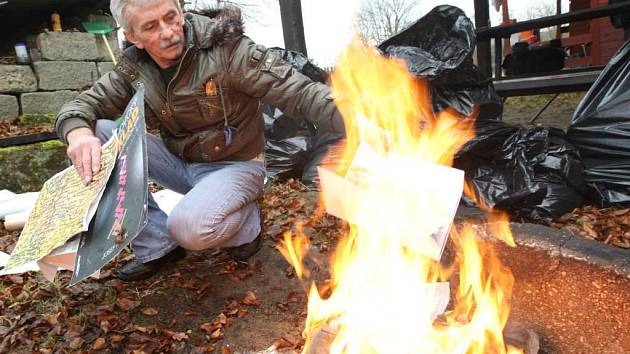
[217, 334]
[250, 299]
[222, 319]
[76, 343]
[15, 279]
[283, 306]
[210, 327]
[98, 344]
[178, 336]
[116, 338]
[105, 326]
[282, 343]
[52, 319]
[149, 311]
[127, 304]
[225, 349]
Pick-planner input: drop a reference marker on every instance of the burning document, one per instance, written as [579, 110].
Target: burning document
[424, 197]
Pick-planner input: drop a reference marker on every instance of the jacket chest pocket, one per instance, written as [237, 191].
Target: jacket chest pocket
[212, 108]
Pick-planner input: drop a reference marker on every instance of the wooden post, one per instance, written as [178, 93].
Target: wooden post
[484, 53]
[293, 26]
[596, 38]
[505, 14]
[558, 12]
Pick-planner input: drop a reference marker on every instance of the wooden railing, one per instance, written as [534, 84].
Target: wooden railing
[564, 81]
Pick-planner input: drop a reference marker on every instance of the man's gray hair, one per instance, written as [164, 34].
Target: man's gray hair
[117, 7]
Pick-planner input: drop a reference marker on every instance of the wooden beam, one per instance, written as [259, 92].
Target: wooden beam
[484, 53]
[27, 139]
[293, 26]
[558, 12]
[549, 21]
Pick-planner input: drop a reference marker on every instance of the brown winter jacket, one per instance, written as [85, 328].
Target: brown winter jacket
[220, 82]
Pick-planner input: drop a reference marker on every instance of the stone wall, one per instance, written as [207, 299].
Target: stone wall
[68, 63]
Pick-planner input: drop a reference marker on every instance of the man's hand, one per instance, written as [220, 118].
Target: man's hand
[84, 150]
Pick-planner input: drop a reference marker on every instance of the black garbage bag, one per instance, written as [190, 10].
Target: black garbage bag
[294, 148]
[324, 150]
[285, 149]
[278, 126]
[533, 174]
[439, 48]
[528, 59]
[600, 129]
[285, 158]
[301, 63]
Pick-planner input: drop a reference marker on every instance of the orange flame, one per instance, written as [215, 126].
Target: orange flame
[384, 290]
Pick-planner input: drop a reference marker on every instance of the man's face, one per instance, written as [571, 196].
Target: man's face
[157, 27]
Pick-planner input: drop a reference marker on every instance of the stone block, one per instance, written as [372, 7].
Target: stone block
[9, 109]
[17, 78]
[65, 75]
[73, 46]
[45, 102]
[104, 67]
[25, 168]
[112, 39]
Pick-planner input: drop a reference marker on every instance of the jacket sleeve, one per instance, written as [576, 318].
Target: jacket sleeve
[262, 74]
[107, 98]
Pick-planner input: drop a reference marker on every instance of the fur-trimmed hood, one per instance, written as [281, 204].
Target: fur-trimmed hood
[211, 27]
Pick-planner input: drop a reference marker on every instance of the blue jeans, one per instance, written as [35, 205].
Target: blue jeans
[218, 208]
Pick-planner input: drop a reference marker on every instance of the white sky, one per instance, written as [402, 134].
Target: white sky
[328, 23]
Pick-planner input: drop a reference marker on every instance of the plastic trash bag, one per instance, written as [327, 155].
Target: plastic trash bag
[529, 59]
[600, 129]
[285, 152]
[325, 150]
[295, 148]
[439, 47]
[533, 174]
[285, 158]
[301, 63]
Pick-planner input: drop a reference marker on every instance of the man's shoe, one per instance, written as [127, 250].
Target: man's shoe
[243, 252]
[136, 270]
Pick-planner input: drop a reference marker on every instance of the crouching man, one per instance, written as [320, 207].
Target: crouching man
[204, 81]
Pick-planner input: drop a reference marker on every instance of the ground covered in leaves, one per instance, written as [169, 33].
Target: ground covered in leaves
[206, 303]
[16, 128]
[608, 225]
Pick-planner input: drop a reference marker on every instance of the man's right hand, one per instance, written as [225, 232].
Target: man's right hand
[84, 150]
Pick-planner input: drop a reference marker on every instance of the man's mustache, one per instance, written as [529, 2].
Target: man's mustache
[175, 40]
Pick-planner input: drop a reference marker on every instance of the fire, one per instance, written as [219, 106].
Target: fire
[386, 295]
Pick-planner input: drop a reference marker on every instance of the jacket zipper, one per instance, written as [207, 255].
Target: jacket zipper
[169, 102]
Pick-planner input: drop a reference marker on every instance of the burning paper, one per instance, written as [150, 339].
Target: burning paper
[425, 196]
[399, 196]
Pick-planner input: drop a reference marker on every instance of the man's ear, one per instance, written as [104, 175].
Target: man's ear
[132, 38]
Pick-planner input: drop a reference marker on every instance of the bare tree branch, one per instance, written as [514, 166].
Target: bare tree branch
[540, 9]
[251, 9]
[378, 20]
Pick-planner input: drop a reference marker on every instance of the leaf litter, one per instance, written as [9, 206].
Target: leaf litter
[253, 306]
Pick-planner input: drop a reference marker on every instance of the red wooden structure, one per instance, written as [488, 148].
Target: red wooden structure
[597, 39]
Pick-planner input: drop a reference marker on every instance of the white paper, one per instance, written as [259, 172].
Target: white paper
[428, 193]
[29, 267]
[6, 194]
[167, 199]
[17, 203]
[441, 293]
[13, 222]
[62, 258]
